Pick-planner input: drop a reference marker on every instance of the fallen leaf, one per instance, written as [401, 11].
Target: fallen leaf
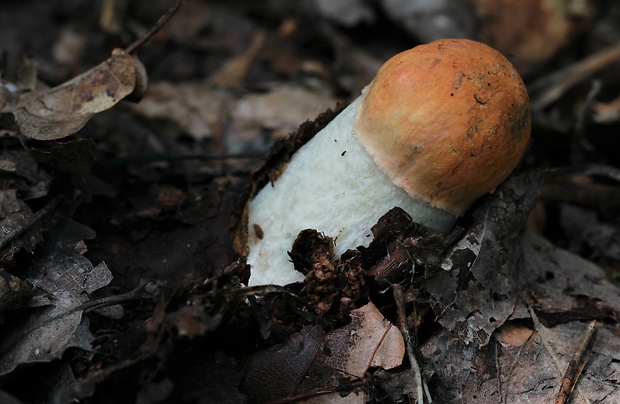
[513, 334]
[64, 281]
[61, 111]
[15, 214]
[564, 289]
[312, 361]
[45, 335]
[369, 340]
[276, 372]
[194, 107]
[475, 291]
[281, 108]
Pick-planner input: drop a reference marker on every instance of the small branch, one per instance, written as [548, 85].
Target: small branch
[399, 299]
[135, 294]
[542, 331]
[553, 86]
[153, 30]
[18, 232]
[577, 363]
[574, 368]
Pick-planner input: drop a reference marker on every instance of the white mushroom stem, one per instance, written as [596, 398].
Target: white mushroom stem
[331, 185]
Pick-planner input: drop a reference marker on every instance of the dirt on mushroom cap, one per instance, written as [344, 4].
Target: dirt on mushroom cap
[447, 121]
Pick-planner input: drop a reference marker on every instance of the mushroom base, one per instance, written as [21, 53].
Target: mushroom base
[331, 185]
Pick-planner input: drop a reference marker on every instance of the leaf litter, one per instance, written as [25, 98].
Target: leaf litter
[67, 279]
[469, 301]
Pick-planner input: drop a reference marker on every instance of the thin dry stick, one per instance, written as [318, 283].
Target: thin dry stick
[160, 23]
[577, 363]
[555, 85]
[543, 332]
[399, 299]
[19, 231]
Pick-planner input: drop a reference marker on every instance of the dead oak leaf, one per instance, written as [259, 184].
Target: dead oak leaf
[63, 110]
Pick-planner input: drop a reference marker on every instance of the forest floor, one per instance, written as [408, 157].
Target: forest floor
[121, 275]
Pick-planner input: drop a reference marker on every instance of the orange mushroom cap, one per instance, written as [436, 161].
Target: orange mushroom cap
[447, 121]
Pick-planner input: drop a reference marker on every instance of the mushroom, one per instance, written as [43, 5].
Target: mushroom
[439, 126]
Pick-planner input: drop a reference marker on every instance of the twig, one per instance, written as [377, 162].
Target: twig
[553, 86]
[19, 231]
[153, 30]
[577, 363]
[136, 293]
[580, 143]
[399, 299]
[542, 331]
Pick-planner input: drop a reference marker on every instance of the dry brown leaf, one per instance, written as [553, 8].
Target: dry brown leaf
[513, 335]
[312, 361]
[194, 107]
[280, 109]
[63, 110]
[369, 340]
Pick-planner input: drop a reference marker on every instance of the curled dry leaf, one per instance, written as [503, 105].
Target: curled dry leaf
[61, 111]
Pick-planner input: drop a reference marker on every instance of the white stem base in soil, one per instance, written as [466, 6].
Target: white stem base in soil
[331, 185]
